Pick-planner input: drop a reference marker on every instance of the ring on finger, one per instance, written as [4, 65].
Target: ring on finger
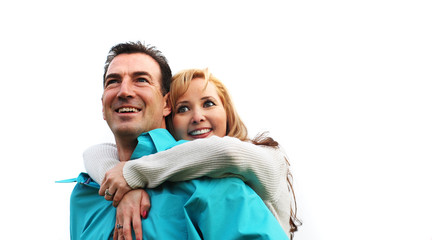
[107, 193]
[118, 226]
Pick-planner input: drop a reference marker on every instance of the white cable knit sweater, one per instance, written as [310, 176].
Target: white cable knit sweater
[263, 168]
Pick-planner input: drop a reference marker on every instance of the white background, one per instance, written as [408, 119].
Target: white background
[344, 86]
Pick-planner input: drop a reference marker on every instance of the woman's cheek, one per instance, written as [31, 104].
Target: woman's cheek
[180, 127]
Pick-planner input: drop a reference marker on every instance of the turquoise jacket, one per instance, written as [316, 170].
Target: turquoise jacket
[198, 209]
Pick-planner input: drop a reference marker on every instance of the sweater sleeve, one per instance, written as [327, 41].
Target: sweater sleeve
[98, 159]
[261, 167]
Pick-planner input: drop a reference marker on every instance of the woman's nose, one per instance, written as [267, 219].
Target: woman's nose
[198, 117]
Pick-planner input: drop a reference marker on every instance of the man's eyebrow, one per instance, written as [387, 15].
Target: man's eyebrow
[140, 73]
[135, 74]
[112, 75]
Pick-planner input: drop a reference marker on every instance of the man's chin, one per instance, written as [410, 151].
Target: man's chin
[126, 132]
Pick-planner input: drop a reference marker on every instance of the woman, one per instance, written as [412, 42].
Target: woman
[202, 109]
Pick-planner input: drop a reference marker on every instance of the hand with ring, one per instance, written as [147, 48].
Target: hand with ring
[134, 205]
[114, 185]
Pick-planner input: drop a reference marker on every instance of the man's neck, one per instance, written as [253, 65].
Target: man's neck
[126, 148]
[126, 144]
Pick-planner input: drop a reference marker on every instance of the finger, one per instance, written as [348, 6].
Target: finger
[136, 221]
[101, 191]
[109, 195]
[115, 236]
[118, 222]
[145, 204]
[119, 194]
[127, 233]
[119, 229]
[120, 233]
[102, 187]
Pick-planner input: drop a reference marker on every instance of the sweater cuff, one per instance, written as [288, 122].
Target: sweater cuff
[133, 176]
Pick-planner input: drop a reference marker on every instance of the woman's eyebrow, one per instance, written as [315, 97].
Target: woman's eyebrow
[207, 98]
[181, 103]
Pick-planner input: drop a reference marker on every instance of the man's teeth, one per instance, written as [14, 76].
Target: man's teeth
[126, 110]
[199, 132]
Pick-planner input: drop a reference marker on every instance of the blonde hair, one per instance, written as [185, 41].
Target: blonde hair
[179, 85]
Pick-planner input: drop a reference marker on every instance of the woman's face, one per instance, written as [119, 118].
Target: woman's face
[199, 113]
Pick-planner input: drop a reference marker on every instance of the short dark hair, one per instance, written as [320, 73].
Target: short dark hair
[138, 47]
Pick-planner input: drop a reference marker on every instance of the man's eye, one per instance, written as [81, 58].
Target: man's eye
[142, 80]
[209, 103]
[182, 109]
[111, 81]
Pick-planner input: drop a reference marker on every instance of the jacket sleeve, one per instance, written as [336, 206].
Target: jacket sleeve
[229, 209]
[261, 167]
[100, 158]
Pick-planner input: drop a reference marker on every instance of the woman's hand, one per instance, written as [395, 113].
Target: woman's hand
[133, 206]
[114, 185]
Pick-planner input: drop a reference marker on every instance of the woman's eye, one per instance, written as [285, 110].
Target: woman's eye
[209, 103]
[182, 109]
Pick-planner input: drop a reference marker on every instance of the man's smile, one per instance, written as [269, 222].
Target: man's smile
[128, 110]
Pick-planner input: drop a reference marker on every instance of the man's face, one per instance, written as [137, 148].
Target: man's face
[132, 99]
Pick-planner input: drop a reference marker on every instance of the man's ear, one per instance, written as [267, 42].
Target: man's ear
[167, 106]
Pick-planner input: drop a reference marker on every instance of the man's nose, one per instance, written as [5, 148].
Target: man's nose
[126, 90]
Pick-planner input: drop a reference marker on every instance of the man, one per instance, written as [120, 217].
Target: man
[136, 81]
